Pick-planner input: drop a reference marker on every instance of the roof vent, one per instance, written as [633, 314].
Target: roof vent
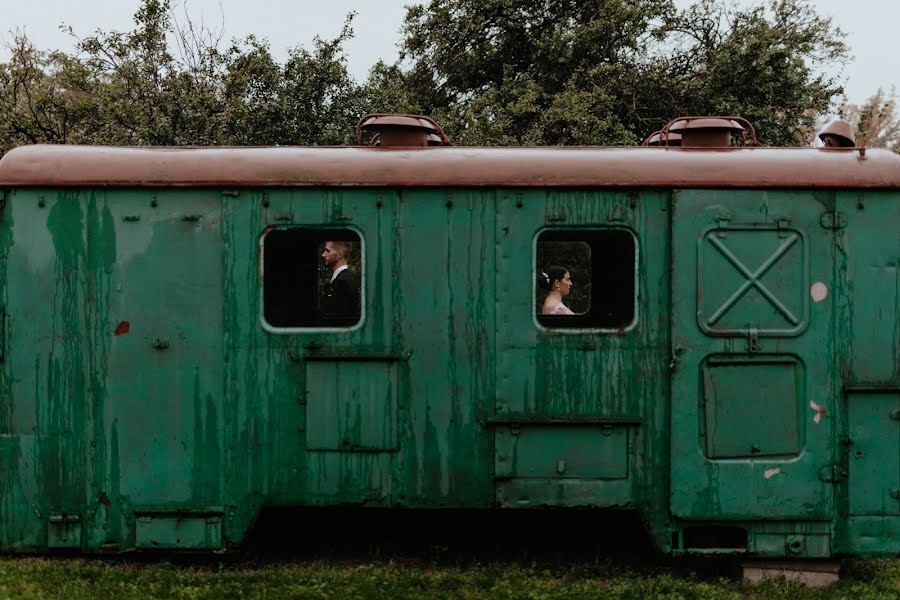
[656, 139]
[389, 130]
[710, 132]
[837, 134]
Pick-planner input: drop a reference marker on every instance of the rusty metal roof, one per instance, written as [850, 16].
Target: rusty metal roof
[101, 166]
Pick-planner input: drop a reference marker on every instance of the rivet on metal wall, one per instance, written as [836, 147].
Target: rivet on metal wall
[41, 202]
[153, 202]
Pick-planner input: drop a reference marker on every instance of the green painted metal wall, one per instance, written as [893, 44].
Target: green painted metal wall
[143, 404]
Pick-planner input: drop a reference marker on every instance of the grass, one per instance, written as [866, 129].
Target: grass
[77, 579]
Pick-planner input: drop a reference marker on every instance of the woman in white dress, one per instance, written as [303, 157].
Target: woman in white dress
[558, 283]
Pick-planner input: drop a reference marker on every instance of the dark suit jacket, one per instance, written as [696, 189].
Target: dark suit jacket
[342, 299]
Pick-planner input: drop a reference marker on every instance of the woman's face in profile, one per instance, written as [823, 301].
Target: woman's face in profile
[565, 284]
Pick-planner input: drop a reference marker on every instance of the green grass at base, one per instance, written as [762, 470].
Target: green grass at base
[77, 579]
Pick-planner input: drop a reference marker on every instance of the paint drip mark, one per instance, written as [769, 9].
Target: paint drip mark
[770, 473]
[821, 411]
[122, 328]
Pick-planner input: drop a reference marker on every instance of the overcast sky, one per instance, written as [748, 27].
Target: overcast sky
[869, 24]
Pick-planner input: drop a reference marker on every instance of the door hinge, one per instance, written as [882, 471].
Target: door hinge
[833, 220]
[832, 473]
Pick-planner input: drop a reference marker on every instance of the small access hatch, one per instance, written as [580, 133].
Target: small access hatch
[751, 406]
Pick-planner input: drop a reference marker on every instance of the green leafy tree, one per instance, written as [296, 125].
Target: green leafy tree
[169, 84]
[767, 64]
[311, 99]
[37, 101]
[611, 71]
[494, 72]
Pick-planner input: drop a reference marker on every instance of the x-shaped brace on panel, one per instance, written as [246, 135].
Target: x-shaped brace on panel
[753, 279]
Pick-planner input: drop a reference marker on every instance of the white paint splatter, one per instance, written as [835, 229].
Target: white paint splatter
[770, 473]
[818, 291]
[821, 411]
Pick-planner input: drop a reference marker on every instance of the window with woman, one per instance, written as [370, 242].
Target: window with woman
[575, 289]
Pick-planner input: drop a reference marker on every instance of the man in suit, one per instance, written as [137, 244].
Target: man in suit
[342, 297]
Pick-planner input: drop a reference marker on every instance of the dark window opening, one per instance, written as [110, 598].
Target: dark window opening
[305, 281]
[586, 279]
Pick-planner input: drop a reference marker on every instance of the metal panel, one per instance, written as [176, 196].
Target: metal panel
[758, 293]
[751, 407]
[594, 493]
[755, 276]
[159, 282]
[873, 535]
[874, 432]
[579, 375]
[870, 261]
[567, 452]
[181, 531]
[351, 406]
[44, 398]
[64, 531]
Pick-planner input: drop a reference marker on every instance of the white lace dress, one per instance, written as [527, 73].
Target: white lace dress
[560, 309]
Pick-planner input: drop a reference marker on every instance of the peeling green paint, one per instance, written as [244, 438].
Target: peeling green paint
[138, 383]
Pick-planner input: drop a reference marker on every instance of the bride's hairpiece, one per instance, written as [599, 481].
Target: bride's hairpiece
[546, 277]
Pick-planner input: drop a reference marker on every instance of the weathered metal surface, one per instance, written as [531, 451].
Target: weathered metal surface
[744, 265]
[99, 166]
[144, 404]
[401, 130]
[708, 132]
[874, 452]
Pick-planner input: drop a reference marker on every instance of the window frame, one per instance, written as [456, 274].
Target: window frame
[587, 329]
[318, 227]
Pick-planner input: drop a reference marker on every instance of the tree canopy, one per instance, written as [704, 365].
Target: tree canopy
[876, 123]
[493, 72]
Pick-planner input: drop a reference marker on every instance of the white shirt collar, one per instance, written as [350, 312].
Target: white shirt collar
[336, 271]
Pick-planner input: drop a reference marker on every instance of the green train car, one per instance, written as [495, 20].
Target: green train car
[730, 369]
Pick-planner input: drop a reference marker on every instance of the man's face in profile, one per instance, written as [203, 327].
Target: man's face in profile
[331, 255]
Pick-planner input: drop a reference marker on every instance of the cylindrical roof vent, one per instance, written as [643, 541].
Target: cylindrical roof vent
[391, 130]
[838, 134]
[709, 132]
[656, 139]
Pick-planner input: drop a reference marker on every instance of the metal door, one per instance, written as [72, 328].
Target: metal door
[159, 301]
[752, 392]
